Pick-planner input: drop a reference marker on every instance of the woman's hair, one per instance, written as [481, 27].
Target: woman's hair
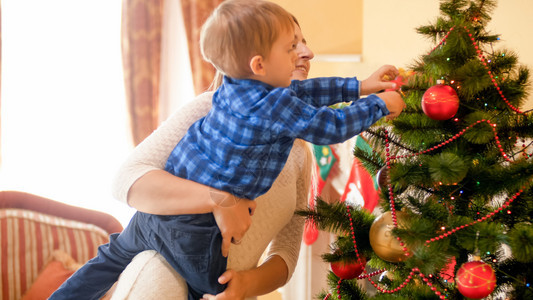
[240, 29]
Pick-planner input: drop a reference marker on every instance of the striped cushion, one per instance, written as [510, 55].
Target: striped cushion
[28, 239]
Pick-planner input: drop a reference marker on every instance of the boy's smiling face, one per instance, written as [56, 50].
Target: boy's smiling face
[281, 62]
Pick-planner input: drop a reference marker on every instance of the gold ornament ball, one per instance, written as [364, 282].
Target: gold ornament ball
[383, 242]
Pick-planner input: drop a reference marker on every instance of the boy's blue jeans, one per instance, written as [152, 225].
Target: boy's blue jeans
[190, 243]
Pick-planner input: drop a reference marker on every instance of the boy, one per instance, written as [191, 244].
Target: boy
[240, 146]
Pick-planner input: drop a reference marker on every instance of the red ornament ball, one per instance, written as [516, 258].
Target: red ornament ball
[475, 279]
[310, 232]
[348, 270]
[440, 102]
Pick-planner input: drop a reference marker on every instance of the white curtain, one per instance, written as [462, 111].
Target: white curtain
[176, 85]
[64, 129]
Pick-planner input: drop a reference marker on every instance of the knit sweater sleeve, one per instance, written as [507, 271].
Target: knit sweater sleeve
[152, 153]
[286, 243]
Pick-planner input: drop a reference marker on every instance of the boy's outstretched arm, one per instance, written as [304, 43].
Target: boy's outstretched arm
[380, 80]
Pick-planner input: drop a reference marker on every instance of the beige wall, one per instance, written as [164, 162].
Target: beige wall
[313, 15]
[387, 33]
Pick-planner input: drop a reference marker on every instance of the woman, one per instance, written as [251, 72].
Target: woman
[145, 186]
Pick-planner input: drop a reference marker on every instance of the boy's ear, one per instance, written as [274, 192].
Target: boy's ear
[257, 66]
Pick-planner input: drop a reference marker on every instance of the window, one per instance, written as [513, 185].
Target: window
[64, 123]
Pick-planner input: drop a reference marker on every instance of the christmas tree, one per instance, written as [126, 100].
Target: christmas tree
[455, 172]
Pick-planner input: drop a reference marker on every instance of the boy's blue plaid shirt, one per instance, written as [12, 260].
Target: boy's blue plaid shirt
[243, 143]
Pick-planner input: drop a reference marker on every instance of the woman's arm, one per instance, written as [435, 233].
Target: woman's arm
[269, 276]
[167, 195]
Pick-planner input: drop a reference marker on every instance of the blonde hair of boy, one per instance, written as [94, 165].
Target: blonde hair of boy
[240, 29]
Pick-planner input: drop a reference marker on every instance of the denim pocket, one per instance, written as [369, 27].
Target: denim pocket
[192, 246]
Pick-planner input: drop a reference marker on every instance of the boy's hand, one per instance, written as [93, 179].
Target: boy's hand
[233, 217]
[236, 289]
[380, 80]
[394, 102]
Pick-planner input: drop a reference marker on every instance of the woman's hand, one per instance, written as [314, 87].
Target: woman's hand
[236, 289]
[233, 217]
[269, 276]
[380, 80]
